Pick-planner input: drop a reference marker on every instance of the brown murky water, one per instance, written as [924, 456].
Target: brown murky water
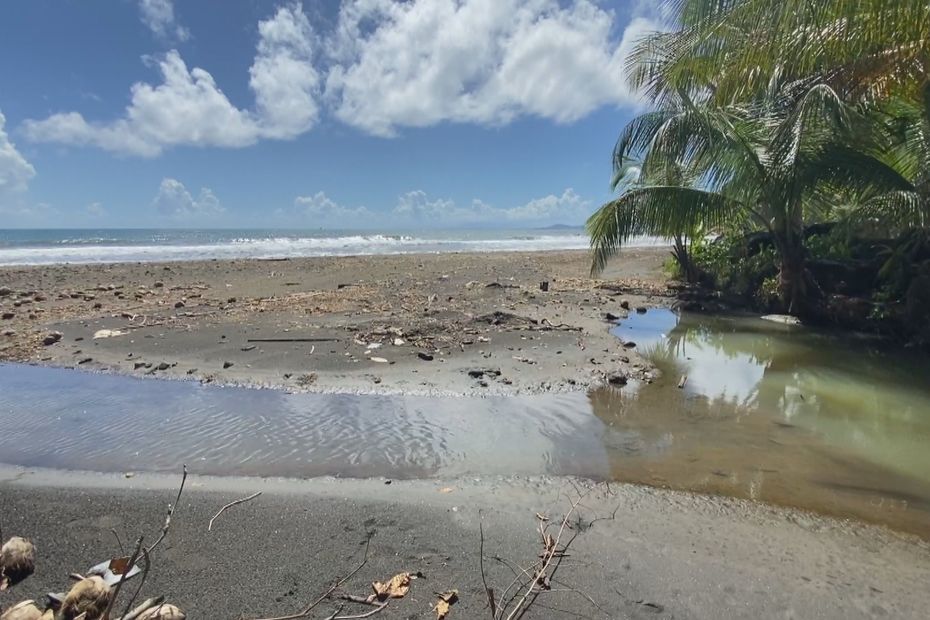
[789, 416]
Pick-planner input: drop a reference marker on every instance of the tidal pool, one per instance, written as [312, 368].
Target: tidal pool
[829, 422]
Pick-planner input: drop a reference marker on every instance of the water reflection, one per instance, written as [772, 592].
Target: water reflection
[790, 415]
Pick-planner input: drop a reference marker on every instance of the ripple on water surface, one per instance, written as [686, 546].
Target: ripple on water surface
[829, 422]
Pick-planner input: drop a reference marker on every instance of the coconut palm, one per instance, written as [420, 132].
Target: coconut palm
[755, 99]
[763, 165]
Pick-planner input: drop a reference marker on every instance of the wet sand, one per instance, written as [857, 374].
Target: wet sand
[413, 324]
[662, 555]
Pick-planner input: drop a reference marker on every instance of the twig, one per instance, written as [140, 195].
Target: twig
[306, 610]
[145, 574]
[492, 604]
[122, 579]
[143, 607]
[292, 340]
[118, 541]
[230, 505]
[171, 509]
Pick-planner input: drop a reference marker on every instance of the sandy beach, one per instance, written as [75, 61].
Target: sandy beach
[651, 554]
[414, 324]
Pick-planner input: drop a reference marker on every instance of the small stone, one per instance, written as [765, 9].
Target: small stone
[5, 291]
[9, 315]
[625, 304]
[616, 378]
[231, 300]
[179, 304]
[641, 310]
[426, 357]
[40, 297]
[51, 338]
[138, 365]
[227, 364]
[159, 284]
[163, 366]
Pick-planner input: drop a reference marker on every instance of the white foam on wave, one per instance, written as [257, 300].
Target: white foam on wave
[293, 247]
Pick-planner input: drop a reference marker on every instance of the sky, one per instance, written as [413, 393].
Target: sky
[315, 114]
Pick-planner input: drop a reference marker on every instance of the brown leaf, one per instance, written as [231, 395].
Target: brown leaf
[118, 566]
[397, 587]
[445, 602]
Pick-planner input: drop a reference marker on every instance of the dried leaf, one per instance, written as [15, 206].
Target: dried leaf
[446, 489]
[397, 587]
[444, 604]
[118, 566]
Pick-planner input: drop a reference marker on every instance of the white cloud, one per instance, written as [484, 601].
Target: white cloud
[322, 210]
[188, 108]
[173, 200]
[422, 62]
[158, 15]
[417, 209]
[15, 171]
[95, 209]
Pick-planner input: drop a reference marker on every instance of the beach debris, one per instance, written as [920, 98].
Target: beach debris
[784, 319]
[25, 610]
[17, 561]
[107, 333]
[379, 360]
[625, 304]
[397, 587]
[179, 304]
[163, 366]
[426, 357]
[617, 378]
[478, 373]
[162, 612]
[444, 604]
[544, 286]
[610, 316]
[9, 315]
[112, 571]
[682, 381]
[230, 505]
[641, 310]
[51, 338]
[399, 342]
[446, 489]
[89, 596]
[228, 364]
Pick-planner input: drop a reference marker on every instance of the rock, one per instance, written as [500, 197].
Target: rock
[544, 286]
[159, 284]
[9, 315]
[138, 365]
[625, 304]
[426, 357]
[179, 304]
[629, 345]
[610, 316]
[477, 373]
[51, 338]
[227, 364]
[399, 342]
[231, 300]
[39, 297]
[617, 378]
[9, 332]
[784, 319]
[641, 310]
[5, 291]
[163, 366]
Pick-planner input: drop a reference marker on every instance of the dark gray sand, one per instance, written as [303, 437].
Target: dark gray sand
[411, 324]
[663, 555]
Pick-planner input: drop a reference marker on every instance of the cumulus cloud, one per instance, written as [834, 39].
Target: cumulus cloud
[188, 108]
[173, 200]
[158, 15]
[15, 171]
[322, 210]
[421, 62]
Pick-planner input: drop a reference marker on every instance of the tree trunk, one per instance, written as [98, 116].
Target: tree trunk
[688, 269]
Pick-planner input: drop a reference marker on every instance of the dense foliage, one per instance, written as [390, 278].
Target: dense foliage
[769, 118]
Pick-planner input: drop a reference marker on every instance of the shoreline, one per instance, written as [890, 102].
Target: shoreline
[662, 554]
[416, 324]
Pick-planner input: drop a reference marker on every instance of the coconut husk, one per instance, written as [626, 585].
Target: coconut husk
[17, 561]
[26, 610]
[88, 596]
[163, 612]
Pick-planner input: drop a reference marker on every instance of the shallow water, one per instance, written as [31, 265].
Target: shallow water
[832, 423]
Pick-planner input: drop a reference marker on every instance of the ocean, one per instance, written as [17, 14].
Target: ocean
[50, 246]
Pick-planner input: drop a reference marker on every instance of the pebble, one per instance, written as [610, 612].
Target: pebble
[51, 338]
[227, 364]
[9, 315]
[5, 291]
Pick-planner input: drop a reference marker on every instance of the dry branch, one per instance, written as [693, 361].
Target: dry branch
[230, 505]
[171, 509]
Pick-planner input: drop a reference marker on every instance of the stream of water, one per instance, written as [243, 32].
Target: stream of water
[835, 423]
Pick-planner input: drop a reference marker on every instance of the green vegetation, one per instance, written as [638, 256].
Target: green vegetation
[798, 134]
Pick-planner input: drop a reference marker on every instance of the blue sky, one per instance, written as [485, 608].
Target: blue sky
[352, 114]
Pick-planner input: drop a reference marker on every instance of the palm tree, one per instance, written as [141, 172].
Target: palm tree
[751, 99]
